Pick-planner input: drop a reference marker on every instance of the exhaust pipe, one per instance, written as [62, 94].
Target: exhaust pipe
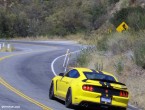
[83, 104]
[86, 105]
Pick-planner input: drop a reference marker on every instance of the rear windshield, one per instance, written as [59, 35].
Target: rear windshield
[99, 76]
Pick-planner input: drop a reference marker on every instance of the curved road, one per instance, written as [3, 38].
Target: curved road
[29, 71]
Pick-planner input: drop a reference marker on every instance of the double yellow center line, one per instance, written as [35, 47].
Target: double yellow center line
[16, 91]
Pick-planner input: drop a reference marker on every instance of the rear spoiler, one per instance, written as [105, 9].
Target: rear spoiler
[85, 80]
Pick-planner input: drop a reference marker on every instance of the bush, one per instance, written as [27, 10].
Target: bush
[13, 25]
[50, 17]
[99, 66]
[102, 43]
[5, 28]
[119, 17]
[133, 16]
[139, 54]
[119, 66]
[67, 21]
[120, 43]
[83, 58]
[112, 1]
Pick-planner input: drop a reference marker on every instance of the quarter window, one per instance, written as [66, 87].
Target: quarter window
[73, 74]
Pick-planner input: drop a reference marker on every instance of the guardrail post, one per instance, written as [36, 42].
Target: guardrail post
[66, 55]
[8, 46]
[3, 45]
[0, 46]
[67, 62]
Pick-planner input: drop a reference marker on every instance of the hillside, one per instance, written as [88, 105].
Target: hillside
[122, 54]
[93, 22]
[23, 18]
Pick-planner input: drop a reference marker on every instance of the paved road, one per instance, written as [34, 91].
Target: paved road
[30, 72]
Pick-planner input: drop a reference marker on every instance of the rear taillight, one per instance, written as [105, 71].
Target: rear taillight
[88, 88]
[123, 94]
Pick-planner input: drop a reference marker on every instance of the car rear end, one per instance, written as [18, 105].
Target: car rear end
[94, 93]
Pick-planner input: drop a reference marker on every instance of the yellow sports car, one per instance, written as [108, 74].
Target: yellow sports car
[87, 87]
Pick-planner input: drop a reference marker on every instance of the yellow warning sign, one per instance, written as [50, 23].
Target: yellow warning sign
[122, 27]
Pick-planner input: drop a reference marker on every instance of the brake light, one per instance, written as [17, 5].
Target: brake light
[88, 88]
[123, 94]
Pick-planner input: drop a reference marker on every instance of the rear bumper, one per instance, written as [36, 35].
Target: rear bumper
[100, 106]
[95, 100]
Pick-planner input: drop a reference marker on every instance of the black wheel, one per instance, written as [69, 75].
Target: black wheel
[122, 109]
[51, 91]
[119, 109]
[68, 100]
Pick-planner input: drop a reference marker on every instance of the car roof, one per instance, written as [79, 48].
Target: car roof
[80, 69]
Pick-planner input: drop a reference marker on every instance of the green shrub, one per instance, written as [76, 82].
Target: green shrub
[119, 17]
[13, 25]
[83, 58]
[99, 66]
[95, 12]
[112, 1]
[139, 54]
[102, 43]
[119, 66]
[133, 16]
[49, 17]
[119, 43]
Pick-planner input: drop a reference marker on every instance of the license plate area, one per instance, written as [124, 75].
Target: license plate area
[106, 100]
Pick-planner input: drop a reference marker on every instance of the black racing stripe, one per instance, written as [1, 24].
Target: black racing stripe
[108, 85]
[103, 85]
[103, 93]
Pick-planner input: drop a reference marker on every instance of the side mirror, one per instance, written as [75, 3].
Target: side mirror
[61, 74]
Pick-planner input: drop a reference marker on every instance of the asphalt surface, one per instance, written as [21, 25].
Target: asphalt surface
[30, 72]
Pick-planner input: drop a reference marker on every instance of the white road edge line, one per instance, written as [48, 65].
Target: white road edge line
[52, 64]
[132, 106]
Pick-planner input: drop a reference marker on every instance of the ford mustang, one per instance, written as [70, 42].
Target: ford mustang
[86, 87]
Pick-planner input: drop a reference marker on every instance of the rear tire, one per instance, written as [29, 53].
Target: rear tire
[119, 109]
[68, 100]
[123, 109]
[51, 91]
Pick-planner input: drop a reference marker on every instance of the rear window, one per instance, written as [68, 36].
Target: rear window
[98, 76]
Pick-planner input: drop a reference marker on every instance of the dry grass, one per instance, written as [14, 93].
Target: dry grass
[5, 49]
[132, 76]
[37, 38]
[118, 59]
[75, 37]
